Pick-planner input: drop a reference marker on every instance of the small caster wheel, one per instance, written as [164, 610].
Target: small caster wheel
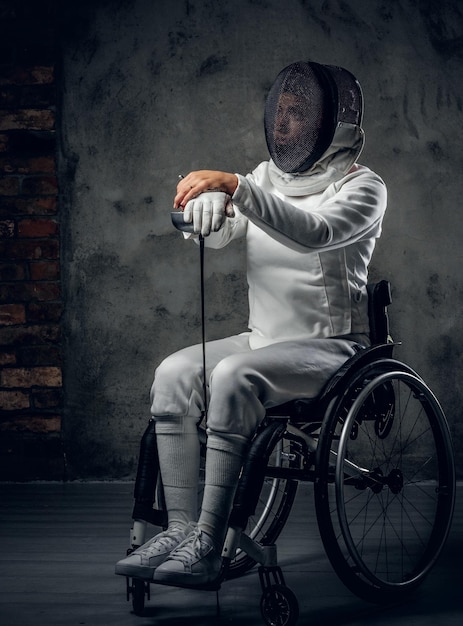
[279, 606]
[139, 589]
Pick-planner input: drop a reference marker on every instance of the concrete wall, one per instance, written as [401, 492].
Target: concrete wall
[154, 88]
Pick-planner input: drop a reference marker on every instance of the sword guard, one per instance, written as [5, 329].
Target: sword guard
[179, 222]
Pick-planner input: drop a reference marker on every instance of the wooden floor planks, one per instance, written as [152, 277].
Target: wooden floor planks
[60, 542]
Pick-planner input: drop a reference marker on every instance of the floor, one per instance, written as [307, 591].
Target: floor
[60, 542]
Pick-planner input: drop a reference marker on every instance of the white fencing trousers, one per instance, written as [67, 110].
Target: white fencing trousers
[242, 383]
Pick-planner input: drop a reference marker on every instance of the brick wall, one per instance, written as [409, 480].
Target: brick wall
[30, 290]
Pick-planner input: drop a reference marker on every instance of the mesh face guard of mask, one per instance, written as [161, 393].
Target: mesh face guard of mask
[305, 104]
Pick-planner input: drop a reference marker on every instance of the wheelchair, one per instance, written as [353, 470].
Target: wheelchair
[376, 446]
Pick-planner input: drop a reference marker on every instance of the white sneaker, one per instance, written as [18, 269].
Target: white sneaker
[143, 561]
[194, 562]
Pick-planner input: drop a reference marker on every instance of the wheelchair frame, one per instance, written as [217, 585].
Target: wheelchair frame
[376, 445]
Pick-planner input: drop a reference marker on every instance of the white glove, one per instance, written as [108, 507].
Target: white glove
[208, 211]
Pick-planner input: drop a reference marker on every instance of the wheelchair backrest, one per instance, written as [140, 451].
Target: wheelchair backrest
[379, 298]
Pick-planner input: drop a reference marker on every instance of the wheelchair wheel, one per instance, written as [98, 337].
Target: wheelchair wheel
[275, 501]
[385, 482]
[279, 606]
[140, 589]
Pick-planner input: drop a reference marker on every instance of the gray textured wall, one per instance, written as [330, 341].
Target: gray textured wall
[152, 88]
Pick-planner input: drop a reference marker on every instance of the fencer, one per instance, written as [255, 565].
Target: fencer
[310, 215]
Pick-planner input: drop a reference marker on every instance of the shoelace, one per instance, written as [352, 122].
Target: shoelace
[189, 548]
[166, 540]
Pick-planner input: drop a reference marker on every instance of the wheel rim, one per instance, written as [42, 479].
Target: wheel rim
[273, 488]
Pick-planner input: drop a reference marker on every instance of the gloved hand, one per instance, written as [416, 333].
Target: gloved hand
[208, 211]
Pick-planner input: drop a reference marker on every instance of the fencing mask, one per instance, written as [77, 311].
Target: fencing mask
[305, 105]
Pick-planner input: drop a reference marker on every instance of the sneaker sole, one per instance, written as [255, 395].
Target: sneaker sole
[135, 571]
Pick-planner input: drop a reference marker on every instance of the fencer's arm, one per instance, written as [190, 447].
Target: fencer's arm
[356, 211]
[199, 181]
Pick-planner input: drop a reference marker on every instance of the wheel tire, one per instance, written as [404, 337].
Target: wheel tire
[138, 596]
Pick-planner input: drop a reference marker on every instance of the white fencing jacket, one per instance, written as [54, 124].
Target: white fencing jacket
[307, 255]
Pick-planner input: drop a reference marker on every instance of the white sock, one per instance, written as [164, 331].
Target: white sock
[179, 458]
[224, 458]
